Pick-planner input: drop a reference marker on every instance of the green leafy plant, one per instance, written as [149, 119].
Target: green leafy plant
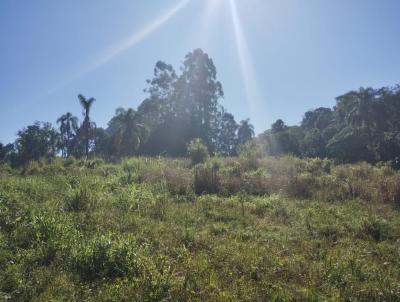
[197, 151]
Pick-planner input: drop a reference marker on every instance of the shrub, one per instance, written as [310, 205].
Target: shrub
[377, 229]
[81, 199]
[106, 257]
[250, 155]
[206, 180]
[197, 151]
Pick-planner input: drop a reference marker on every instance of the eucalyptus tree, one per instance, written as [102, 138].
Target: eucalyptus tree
[227, 135]
[198, 92]
[68, 129]
[182, 107]
[87, 125]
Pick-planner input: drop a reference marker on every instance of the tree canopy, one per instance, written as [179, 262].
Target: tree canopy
[185, 106]
[363, 126]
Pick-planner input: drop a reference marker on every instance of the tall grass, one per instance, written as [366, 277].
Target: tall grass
[231, 229]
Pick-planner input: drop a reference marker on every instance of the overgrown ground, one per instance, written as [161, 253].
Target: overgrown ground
[268, 230]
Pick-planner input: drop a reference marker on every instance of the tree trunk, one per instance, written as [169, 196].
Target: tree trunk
[87, 143]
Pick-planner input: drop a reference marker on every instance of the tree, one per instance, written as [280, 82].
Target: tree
[163, 82]
[181, 108]
[36, 141]
[127, 132]
[197, 94]
[313, 144]
[160, 115]
[159, 103]
[359, 106]
[68, 129]
[363, 126]
[278, 126]
[319, 118]
[103, 145]
[87, 126]
[5, 152]
[350, 145]
[245, 132]
[227, 138]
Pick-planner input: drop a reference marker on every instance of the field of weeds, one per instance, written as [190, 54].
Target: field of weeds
[230, 229]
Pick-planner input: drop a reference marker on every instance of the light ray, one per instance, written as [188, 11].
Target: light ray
[136, 38]
[207, 23]
[111, 53]
[246, 63]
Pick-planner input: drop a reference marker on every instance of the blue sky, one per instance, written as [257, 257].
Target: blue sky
[275, 58]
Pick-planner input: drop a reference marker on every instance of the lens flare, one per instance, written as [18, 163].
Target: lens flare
[136, 38]
[116, 50]
[246, 63]
[208, 21]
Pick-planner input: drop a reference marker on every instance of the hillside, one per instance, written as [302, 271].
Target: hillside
[264, 228]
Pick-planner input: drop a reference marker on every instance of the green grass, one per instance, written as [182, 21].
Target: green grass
[288, 230]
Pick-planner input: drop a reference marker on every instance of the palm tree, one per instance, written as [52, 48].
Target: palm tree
[87, 125]
[68, 126]
[128, 131]
[245, 132]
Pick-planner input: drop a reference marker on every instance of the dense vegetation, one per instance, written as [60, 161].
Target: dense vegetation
[363, 126]
[91, 214]
[180, 108]
[259, 228]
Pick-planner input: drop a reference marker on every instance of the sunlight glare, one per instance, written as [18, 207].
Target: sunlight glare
[116, 50]
[137, 37]
[245, 61]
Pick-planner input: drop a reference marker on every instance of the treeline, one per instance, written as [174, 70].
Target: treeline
[363, 126]
[181, 107]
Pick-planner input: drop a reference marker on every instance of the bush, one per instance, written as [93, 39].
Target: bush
[206, 180]
[377, 229]
[80, 199]
[106, 257]
[197, 151]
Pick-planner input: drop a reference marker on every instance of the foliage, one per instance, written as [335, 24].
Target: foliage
[197, 151]
[36, 141]
[127, 132]
[93, 231]
[206, 179]
[180, 107]
[68, 129]
[245, 132]
[86, 129]
[363, 126]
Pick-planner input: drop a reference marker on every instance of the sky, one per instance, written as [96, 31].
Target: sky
[274, 58]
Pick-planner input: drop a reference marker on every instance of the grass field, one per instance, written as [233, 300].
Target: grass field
[264, 229]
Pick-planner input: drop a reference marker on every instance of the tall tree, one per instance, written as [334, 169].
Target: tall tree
[87, 125]
[227, 135]
[245, 132]
[157, 111]
[68, 129]
[198, 92]
[181, 108]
